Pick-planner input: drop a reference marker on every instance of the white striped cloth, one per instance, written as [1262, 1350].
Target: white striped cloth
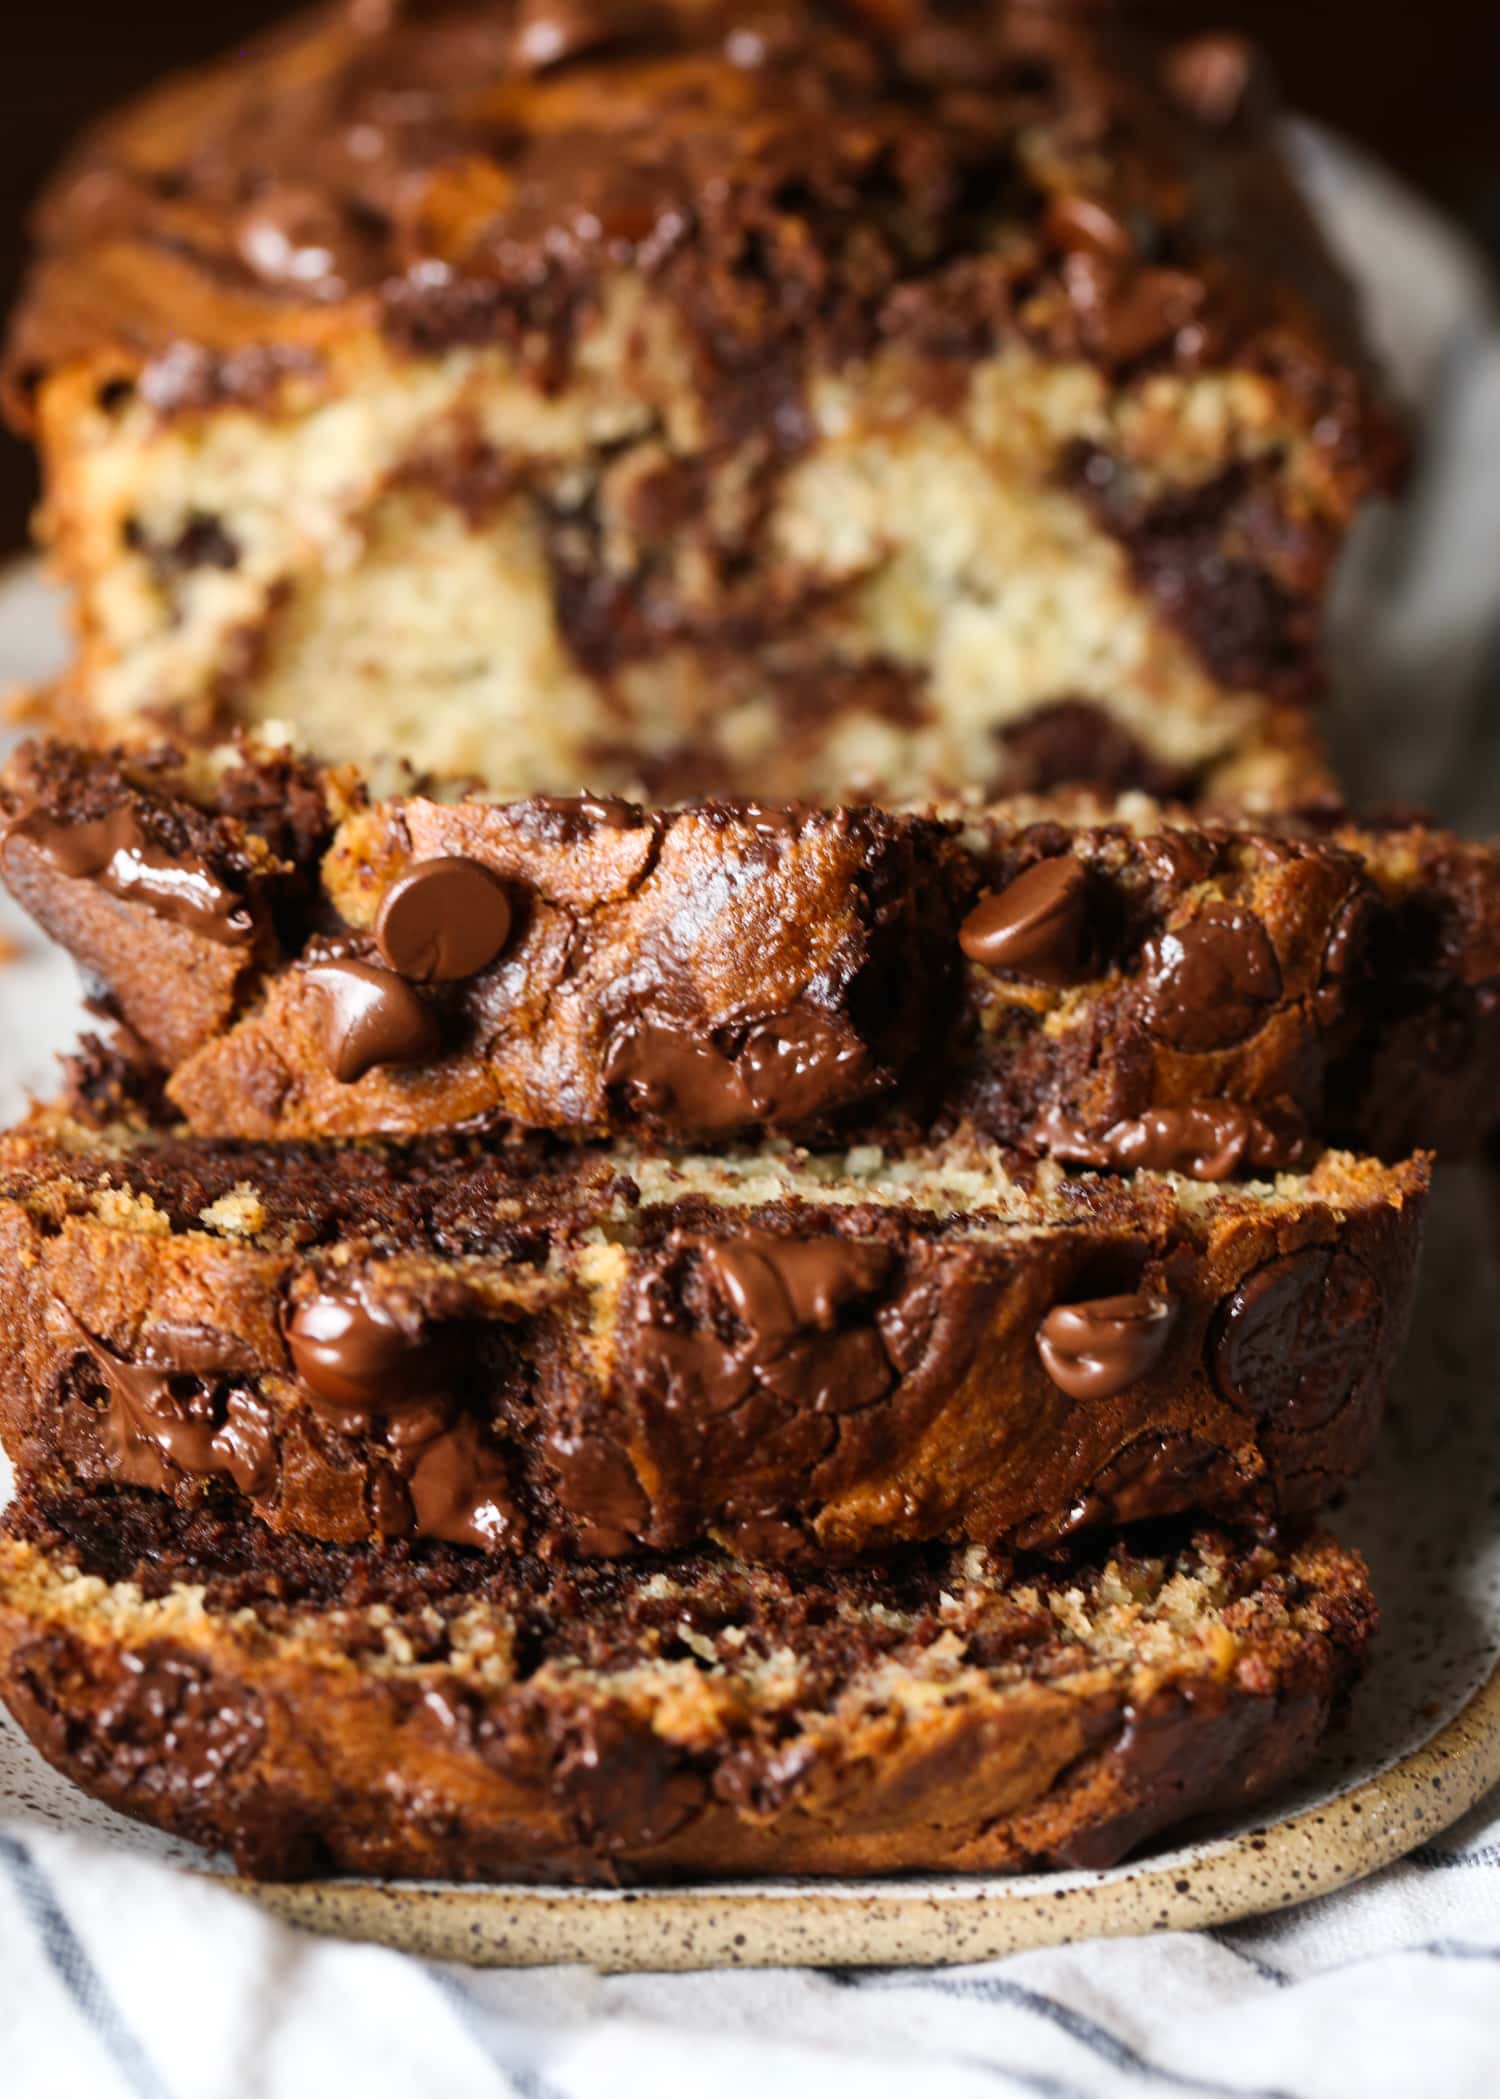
[119, 1977]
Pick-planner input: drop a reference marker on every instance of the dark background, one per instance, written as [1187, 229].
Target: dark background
[1415, 79]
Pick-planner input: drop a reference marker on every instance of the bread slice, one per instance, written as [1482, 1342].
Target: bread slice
[895, 394]
[314, 1709]
[1118, 983]
[599, 1353]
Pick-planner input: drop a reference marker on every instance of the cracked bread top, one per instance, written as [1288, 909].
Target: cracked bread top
[1118, 983]
[830, 173]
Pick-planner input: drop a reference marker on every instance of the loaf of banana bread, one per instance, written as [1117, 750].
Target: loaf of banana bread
[599, 1353]
[1114, 983]
[674, 396]
[316, 1708]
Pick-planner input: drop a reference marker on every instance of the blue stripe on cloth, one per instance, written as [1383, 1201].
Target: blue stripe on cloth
[1252, 1961]
[1434, 1856]
[477, 2020]
[76, 1972]
[1109, 2047]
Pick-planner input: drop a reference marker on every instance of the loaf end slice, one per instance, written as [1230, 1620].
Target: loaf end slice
[346, 1711]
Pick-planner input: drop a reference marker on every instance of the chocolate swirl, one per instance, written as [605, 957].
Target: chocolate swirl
[116, 852]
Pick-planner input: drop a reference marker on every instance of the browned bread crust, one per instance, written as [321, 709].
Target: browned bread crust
[605, 282]
[311, 1710]
[877, 150]
[793, 1357]
[1200, 995]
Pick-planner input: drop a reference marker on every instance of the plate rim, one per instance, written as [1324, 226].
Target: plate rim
[1272, 1866]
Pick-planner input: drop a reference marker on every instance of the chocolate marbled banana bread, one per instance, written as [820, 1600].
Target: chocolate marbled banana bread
[600, 1353]
[704, 397]
[314, 1708]
[1116, 983]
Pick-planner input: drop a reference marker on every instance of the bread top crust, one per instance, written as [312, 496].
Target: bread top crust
[798, 186]
[1119, 983]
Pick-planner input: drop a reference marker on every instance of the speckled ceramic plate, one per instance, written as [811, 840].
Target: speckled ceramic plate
[1423, 1741]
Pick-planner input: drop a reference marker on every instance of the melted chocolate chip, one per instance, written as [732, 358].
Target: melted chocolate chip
[165, 1418]
[797, 1066]
[606, 810]
[1153, 1476]
[783, 1309]
[1203, 1140]
[1034, 925]
[353, 1356]
[445, 919]
[620, 1781]
[1125, 314]
[459, 1488]
[1295, 1342]
[1210, 982]
[1094, 1350]
[1346, 960]
[788, 1070]
[1179, 858]
[115, 852]
[371, 1017]
[550, 32]
[595, 1476]
[367, 1372]
[1066, 741]
[670, 1075]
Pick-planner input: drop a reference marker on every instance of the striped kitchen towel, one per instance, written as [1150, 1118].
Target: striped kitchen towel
[123, 1979]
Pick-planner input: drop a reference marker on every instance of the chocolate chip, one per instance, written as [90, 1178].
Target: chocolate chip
[445, 919]
[1034, 925]
[460, 1488]
[1203, 1140]
[1346, 960]
[1094, 1350]
[786, 1315]
[672, 1075]
[1297, 1339]
[789, 1070]
[352, 1354]
[1211, 982]
[797, 1066]
[370, 1017]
